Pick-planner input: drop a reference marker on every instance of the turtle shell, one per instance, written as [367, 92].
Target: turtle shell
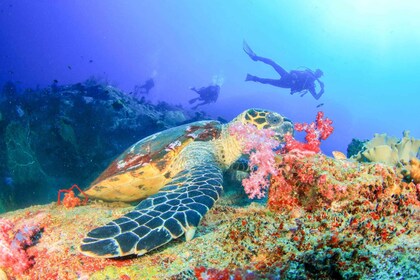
[147, 165]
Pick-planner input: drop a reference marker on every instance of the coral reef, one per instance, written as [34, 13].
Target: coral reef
[415, 170]
[400, 153]
[324, 218]
[15, 239]
[61, 135]
[319, 130]
[312, 181]
[260, 147]
[338, 220]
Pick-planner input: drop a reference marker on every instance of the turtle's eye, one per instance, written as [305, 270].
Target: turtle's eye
[272, 119]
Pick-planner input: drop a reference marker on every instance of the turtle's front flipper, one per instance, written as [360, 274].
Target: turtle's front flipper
[176, 209]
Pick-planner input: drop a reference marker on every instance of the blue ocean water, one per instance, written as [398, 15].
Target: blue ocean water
[60, 123]
[367, 50]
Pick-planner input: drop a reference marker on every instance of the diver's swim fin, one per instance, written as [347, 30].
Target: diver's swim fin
[249, 78]
[193, 100]
[248, 51]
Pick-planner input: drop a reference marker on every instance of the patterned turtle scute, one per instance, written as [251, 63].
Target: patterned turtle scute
[209, 131]
[155, 147]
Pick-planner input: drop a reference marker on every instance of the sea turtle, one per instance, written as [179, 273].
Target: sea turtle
[178, 174]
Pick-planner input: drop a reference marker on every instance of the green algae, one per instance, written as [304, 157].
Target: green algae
[133, 272]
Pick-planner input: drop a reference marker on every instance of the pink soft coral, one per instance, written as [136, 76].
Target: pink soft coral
[259, 144]
[319, 130]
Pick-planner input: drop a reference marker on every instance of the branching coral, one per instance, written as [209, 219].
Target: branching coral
[316, 131]
[260, 145]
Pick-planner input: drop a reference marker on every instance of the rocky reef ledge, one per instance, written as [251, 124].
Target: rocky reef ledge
[51, 138]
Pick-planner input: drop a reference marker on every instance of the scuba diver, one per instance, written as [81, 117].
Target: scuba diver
[296, 80]
[145, 88]
[207, 95]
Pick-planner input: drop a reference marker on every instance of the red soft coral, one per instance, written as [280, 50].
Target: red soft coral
[319, 130]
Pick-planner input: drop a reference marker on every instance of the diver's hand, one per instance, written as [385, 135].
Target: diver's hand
[303, 93]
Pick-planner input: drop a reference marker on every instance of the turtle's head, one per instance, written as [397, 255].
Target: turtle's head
[262, 118]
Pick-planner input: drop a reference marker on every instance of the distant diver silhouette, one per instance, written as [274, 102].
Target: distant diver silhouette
[296, 80]
[145, 88]
[207, 94]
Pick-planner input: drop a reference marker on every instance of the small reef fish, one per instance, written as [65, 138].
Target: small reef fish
[319, 105]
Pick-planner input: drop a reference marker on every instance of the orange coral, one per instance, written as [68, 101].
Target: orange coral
[70, 200]
[415, 170]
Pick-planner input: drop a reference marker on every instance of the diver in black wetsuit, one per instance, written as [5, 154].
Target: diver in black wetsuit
[296, 80]
[145, 88]
[206, 94]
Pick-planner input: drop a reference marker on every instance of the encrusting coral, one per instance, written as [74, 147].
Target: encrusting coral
[317, 181]
[15, 238]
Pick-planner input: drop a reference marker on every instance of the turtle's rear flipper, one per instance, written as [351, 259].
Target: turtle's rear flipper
[175, 210]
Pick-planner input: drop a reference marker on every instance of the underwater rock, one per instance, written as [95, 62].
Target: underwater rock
[53, 138]
[173, 118]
